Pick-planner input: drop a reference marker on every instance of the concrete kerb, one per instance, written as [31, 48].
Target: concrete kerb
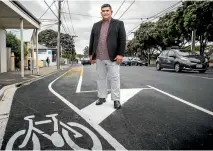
[35, 79]
[19, 84]
[3, 90]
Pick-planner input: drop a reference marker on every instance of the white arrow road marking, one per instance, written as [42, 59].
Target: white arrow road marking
[99, 112]
[112, 141]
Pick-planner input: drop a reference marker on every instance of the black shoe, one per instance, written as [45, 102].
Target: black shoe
[117, 105]
[100, 101]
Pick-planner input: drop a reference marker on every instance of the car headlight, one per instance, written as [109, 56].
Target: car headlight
[185, 60]
[206, 60]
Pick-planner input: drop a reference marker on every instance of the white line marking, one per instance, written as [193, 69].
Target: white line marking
[189, 75]
[198, 77]
[43, 122]
[112, 141]
[80, 81]
[99, 112]
[183, 101]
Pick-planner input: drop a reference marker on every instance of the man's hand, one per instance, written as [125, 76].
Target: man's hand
[119, 59]
[92, 61]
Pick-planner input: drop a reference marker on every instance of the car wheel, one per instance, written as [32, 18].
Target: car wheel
[177, 67]
[158, 67]
[202, 71]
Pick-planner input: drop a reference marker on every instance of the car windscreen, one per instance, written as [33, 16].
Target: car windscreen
[186, 53]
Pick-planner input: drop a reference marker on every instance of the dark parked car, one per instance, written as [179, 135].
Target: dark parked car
[138, 62]
[126, 61]
[134, 61]
[86, 61]
[180, 59]
[142, 62]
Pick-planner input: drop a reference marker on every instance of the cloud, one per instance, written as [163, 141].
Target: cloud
[83, 24]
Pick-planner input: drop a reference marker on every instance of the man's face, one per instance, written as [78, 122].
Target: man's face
[106, 13]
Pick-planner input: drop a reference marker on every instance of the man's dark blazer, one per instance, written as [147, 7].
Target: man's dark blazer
[116, 39]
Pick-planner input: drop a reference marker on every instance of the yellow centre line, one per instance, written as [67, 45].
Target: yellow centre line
[74, 69]
[65, 73]
[82, 71]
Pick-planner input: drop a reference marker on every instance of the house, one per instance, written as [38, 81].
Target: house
[43, 53]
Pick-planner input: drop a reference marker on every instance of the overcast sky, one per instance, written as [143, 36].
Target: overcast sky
[82, 24]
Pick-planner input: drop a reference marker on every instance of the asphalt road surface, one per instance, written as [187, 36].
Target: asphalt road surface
[160, 110]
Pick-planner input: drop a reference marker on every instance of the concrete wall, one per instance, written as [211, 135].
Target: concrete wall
[3, 51]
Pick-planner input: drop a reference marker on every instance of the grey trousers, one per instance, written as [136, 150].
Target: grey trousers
[108, 70]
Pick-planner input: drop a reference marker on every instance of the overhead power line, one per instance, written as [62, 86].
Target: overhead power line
[49, 24]
[65, 19]
[65, 30]
[51, 9]
[70, 18]
[46, 10]
[167, 9]
[119, 7]
[80, 14]
[127, 9]
[48, 20]
[61, 22]
[156, 16]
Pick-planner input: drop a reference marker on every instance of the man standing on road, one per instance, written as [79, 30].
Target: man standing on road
[106, 49]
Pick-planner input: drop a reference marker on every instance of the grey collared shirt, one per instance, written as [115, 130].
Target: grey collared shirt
[102, 51]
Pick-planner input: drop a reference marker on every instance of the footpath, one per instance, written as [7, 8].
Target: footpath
[8, 79]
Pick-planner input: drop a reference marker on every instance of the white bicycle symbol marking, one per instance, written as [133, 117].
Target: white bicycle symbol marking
[56, 138]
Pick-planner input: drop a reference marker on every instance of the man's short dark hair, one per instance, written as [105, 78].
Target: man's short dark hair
[106, 5]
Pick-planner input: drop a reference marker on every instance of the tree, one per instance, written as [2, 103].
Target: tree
[86, 51]
[15, 44]
[80, 56]
[198, 16]
[49, 38]
[175, 29]
[132, 47]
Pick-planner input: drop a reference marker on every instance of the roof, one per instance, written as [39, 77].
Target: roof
[12, 11]
[26, 11]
